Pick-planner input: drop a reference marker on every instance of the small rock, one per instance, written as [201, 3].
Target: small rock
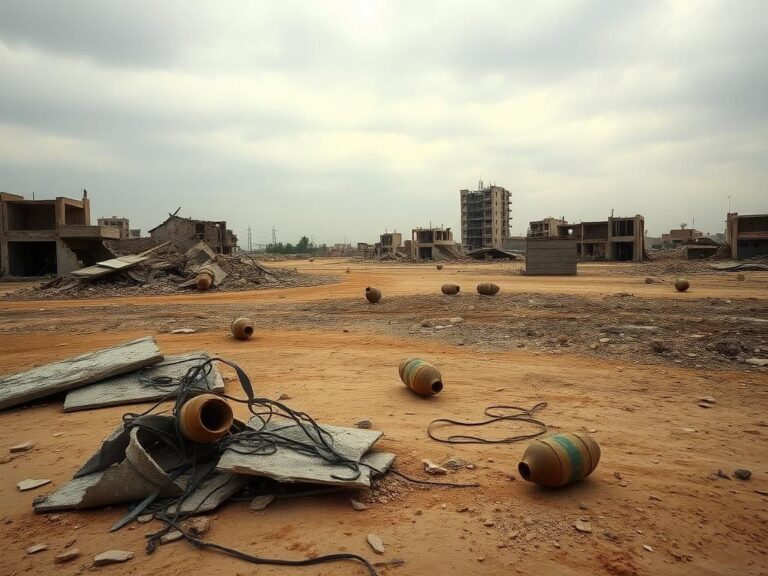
[454, 463]
[593, 346]
[144, 518]
[21, 447]
[583, 506]
[261, 502]
[31, 484]
[654, 497]
[112, 557]
[648, 548]
[456, 320]
[69, 543]
[757, 361]
[604, 340]
[376, 543]
[432, 468]
[583, 526]
[611, 535]
[198, 526]
[489, 523]
[689, 429]
[364, 424]
[7, 520]
[556, 544]
[283, 397]
[37, 548]
[183, 331]
[171, 536]
[742, 473]
[67, 555]
[357, 505]
[6, 459]
[708, 399]
[703, 404]
[57, 434]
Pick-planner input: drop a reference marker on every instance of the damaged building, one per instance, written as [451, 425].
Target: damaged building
[42, 237]
[545, 228]
[186, 232]
[389, 244]
[485, 217]
[617, 239]
[122, 224]
[747, 235]
[433, 244]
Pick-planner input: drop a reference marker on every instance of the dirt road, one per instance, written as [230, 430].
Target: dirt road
[653, 487]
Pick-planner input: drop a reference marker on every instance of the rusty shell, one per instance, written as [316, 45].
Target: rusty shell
[439, 266]
[560, 459]
[450, 289]
[242, 328]
[421, 377]
[487, 288]
[373, 295]
[205, 418]
[681, 285]
[204, 279]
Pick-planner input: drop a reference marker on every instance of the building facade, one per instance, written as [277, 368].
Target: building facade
[186, 232]
[614, 240]
[42, 237]
[485, 217]
[747, 235]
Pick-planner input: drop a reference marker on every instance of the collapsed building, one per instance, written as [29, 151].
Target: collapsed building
[485, 217]
[615, 239]
[679, 236]
[122, 224]
[433, 244]
[747, 235]
[186, 232]
[42, 237]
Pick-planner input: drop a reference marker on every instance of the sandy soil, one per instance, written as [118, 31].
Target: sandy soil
[654, 485]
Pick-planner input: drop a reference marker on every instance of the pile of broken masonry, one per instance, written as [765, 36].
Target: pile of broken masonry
[164, 270]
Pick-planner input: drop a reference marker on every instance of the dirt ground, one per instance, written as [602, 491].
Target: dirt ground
[540, 339]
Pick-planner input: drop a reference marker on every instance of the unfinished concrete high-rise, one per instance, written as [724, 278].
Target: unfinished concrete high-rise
[485, 217]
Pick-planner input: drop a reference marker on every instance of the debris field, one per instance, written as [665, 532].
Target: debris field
[671, 385]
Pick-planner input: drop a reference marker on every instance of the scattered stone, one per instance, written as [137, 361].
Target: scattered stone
[708, 399]
[67, 555]
[31, 484]
[112, 557]
[583, 525]
[689, 429]
[6, 459]
[742, 473]
[183, 331]
[728, 347]
[593, 346]
[364, 424]
[659, 346]
[283, 397]
[654, 497]
[171, 536]
[392, 562]
[21, 447]
[144, 518]
[456, 320]
[37, 548]
[757, 361]
[376, 543]
[761, 492]
[702, 404]
[57, 434]
[7, 519]
[357, 505]
[261, 502]
[426, 323]
[583, 506]
[489, 523]
[198, 525]
[604, 340]
[611, 535]
[556, 544]
[432, 468]
[454, 463]
[648, 548]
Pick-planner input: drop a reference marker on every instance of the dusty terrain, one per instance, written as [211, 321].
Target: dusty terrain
[539, 340]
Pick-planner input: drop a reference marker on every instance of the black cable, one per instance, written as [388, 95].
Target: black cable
[521, 415]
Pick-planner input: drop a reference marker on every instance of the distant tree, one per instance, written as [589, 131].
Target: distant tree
[303, 245]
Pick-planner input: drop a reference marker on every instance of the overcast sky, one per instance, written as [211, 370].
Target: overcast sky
[339, 120]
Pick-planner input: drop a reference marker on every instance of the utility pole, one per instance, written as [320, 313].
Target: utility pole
[274, 236]
[250, 240]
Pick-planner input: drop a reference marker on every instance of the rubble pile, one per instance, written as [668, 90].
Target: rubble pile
[164, 270]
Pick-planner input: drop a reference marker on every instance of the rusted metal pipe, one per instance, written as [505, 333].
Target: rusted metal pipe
[421, 377]
[450, 289]
[205, 418]
[242, 328]
[487, 288]
[373, 295]
[560, 459]
[681, 285]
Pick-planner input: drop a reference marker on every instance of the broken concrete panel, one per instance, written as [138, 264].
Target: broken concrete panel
[212, 492]
[199, 254]
[137, 476]
[76, 372]
[135, 387]
[287, 465]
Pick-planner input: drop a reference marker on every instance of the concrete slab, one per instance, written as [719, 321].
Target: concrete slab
[136, 387]
[287, 465]
[76, 372]
[214, 491]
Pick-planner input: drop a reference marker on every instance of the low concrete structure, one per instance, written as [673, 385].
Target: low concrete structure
[615, 240]
[389, 243]
[545, 228]
[433, 244]
[186, 232]
[679, 236]
[122, 224]
[747, 235]
[41, 237]
[550, 257]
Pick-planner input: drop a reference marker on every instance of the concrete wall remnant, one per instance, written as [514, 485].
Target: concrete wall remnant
[550, 257]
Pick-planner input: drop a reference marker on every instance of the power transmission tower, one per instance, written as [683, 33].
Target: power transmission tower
[274, 236]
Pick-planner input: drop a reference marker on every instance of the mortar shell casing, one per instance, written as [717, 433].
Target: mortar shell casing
[372, 294]
[559, 459]
[487, 288]
[421, 377]
[242, 328]
[450, 289]
[204, 279]
[205, 418]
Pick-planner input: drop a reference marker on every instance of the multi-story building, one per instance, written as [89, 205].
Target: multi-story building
[747, 235]
[615, 239]
[485, 217]
[186, 232]
[546, 228]
[121, 224]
